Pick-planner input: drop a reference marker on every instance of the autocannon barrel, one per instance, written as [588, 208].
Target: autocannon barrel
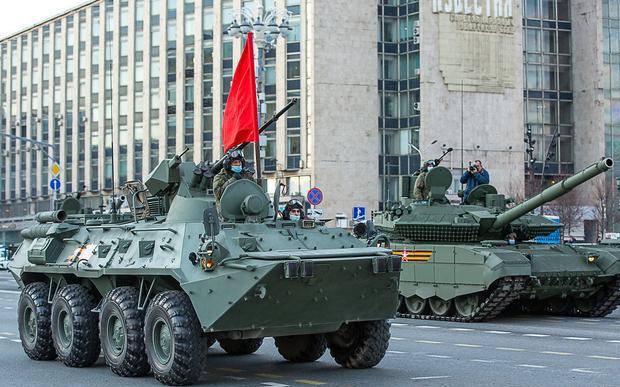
[35, 231]
[553, 192]
[51, 216]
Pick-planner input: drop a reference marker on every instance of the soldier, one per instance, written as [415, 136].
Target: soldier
[233, 170]
[420, 191]
[294, 210]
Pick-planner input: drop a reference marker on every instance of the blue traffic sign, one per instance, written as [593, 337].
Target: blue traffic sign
[55, 184]
[315, 196]
[359, 214]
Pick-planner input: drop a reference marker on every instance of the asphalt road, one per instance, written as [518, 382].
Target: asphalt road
[510, 351]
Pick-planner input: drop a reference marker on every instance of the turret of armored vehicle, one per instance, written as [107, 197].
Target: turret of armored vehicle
[469, 262]
[152, 288]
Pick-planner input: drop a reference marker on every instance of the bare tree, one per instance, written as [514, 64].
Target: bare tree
[569, 208]
[605, 207]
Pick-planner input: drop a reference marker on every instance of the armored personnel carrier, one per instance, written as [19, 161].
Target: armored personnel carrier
[470, 262]
[154, 287]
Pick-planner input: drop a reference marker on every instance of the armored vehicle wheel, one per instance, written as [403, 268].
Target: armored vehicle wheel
[171, 329]
[440, 307]
[34, 322]
[360, 344]
[122, 333]
[415, 304]
[75, 327]
[241, 346]
[301, 349]
[466, 305]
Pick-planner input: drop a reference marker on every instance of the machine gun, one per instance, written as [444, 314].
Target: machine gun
[217, 166]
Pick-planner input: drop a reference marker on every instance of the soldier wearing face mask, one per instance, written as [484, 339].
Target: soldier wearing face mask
[294, 210]
[420, 191]
[234, 169]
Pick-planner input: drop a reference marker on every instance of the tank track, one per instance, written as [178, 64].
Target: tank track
[607, 304]
[504, 293]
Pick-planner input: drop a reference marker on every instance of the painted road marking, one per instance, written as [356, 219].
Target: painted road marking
[2, 338]
[557, 353]
[609, 341]
[234, 377]
[399, 325]
[426, 326]
[266, 375]
[481, 361]
[535, 335]
[440, 356]
[13, 334]
[583, 371]
[8, 307]
[585, 322]
[428, 342]
[530, 366]
[272, 384]
[11, 291]
[577, 338]
[510, 349]
[397, 352]
[16, 341]
[310, 382]
[498, 332]
[469, 345]
[431, 377]
[398, 338]
[461, 329]
[603, 357]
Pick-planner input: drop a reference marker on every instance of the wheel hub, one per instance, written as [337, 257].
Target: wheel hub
[65, 329]
[466, 305]
[116, 335]
[162, 341]
[30, 325]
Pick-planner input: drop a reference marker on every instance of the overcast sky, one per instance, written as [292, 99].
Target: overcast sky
[19, 14]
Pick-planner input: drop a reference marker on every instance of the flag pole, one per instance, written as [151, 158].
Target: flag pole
[260, 87]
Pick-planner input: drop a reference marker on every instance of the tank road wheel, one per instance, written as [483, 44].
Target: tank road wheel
[301, 349]
[466, 305]
[360, 344]
[240, 346]
[415, 304]
[34, 322]
[122, 333]
[440, 307]
[171, 329]
[75, 326]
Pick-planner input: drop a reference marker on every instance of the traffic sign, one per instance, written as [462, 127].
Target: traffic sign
[55, 184]
[315, 196]
[359, 214]
[55, 169]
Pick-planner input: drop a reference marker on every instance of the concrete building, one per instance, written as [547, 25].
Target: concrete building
[119, 84]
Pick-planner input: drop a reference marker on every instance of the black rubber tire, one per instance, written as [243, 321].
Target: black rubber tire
[241, 346]
[84, 347]
[360, 344]
[122, 304]
[302, 348]
[184, 365]
[34, 298]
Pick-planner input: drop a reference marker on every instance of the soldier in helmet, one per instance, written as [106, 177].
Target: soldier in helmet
[420, 191]
[233, 170]
[294, 210]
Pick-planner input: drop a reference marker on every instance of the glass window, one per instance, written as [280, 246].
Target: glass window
[548, 39]
[548, 9]
[549, 77]
[564, 9]
[532, 9]
[533, 40]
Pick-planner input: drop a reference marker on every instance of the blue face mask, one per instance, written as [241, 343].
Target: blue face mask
[294, 218]
[236, 168]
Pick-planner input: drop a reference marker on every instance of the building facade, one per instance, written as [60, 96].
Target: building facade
[116, 85]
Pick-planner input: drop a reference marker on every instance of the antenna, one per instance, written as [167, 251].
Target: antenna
[113, 207]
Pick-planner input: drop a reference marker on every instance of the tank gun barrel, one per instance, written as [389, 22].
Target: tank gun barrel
[553, 192]
[217, 166]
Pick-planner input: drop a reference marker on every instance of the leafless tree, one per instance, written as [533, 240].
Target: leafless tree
[605, 205]
[569, 208]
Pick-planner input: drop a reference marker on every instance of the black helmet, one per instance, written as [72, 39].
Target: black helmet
[292, 204]
[234, 155]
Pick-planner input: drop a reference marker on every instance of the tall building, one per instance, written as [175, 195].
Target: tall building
[116, 85]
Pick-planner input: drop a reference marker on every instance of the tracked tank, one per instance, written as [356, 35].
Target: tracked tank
[470, 262]
[153, 287]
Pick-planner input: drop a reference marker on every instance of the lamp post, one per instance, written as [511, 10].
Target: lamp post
[267, 26]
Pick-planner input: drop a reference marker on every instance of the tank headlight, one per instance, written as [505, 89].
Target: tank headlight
[592, 258]
[207, 264]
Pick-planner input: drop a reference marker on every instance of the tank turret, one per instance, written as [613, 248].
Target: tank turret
[484, 215]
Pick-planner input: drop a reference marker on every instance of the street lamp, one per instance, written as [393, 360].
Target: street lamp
[267, 26]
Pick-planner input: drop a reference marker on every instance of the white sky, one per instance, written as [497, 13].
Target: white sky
[20, 14]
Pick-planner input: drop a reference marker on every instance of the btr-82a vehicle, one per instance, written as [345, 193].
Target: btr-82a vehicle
[153, 288]
[470, 262]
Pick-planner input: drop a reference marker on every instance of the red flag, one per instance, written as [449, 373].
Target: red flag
[241, 115]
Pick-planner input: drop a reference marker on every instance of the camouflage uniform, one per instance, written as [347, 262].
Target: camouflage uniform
[420, 192]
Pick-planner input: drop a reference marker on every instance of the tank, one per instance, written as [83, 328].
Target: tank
[152, 286]
[470, 262]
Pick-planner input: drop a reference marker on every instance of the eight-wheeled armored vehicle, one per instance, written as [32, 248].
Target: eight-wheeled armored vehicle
[152, 288]
[470, 262]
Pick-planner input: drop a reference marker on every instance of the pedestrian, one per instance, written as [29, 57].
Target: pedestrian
[474, 176]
